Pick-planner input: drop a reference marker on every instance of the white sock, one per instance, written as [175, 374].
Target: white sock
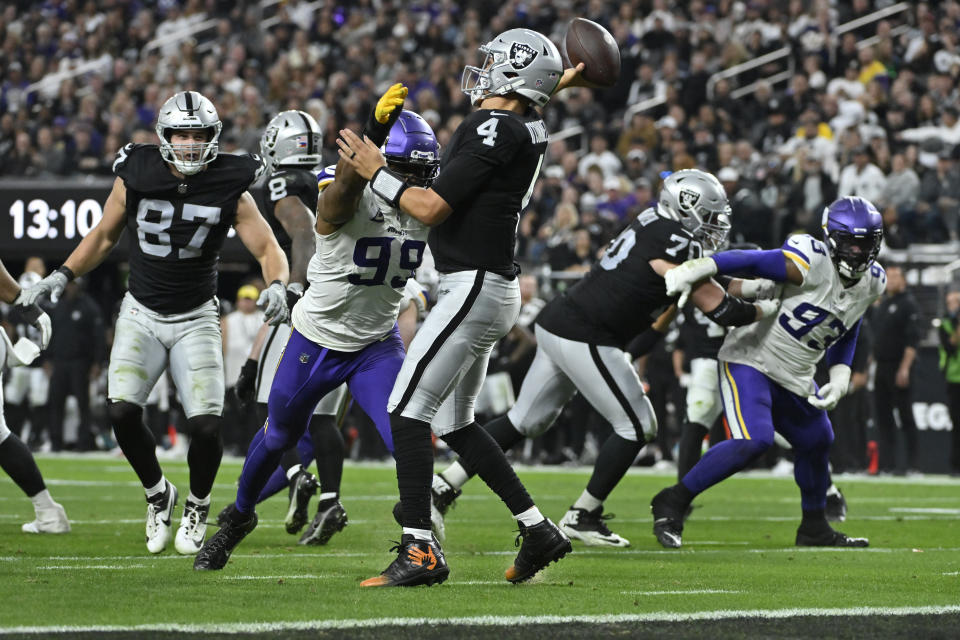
[419, 534]
[330, 495]
[587, 501]
[42, 500]
[160, 487]
[292, 471]
[530, 517]
[454, 475]
[200, 501]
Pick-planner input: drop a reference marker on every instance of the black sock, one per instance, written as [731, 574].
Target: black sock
[291, 458]
[690, 447]
[328, 450]
[505, 434]
[18, 462]
[683, 494]
[203, 457]
[477, 448]
[614, 459]
[814, 521]
[136, 441]
[413, 450]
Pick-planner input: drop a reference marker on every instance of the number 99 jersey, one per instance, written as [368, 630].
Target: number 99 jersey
[814, 315]
[358, 273]
[178, 225]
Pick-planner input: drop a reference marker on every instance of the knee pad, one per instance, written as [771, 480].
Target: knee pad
[205, 427]
[124, 415]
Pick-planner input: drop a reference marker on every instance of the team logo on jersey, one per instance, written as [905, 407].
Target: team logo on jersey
[304, 358]
[688, 198]
[377, 217]
[521, 55]
[182, 188]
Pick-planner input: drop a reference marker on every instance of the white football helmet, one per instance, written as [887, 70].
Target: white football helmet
[189, 110]
[517, 61]
[698, 200]
[292, 138]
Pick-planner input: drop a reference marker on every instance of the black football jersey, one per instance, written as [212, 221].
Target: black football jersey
[622, 295]
[177, 226]
[284, 182]
[700, 337]
[486, 176]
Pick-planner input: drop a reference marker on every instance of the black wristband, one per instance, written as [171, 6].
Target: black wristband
[279, 282]
[67, 271]
[733, 312]
[388, 185]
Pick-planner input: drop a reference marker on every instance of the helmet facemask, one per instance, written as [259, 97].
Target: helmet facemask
[189, 158]
[411, 149]
[853, 254]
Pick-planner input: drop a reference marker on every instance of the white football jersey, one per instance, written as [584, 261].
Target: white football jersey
[358, 274]
[812, 316]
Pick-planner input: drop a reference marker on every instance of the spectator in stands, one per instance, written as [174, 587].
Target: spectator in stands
[810, 190]
[934, 215]
[861, 178]
[899, 198]
[600, 156]
[949, 332]
[20, 160]
[896, 325]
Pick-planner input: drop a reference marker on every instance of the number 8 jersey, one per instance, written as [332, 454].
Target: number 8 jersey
[358, 274]
[178, 225]
[786, 347]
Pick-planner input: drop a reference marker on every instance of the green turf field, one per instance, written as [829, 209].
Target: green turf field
[738, 562]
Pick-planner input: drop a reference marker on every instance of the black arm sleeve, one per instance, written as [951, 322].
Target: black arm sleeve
[733, 312]
[644, 343]
[723, 281]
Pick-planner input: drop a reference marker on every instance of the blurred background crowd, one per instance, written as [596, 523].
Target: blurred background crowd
[790, 103]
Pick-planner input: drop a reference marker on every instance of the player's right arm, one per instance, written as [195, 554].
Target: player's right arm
[708, 296]
[297, 220]
[339, 200]
[97, 244]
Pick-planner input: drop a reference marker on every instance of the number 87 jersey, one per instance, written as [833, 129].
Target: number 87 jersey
[358, 273]
[812, 317]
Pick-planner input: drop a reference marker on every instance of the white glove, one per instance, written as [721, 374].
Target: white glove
[830, 393]
[768, 307]
[760, 289]
[273, 301]
[685, 380]
[50, 287]
[680, 279]
[35, 316]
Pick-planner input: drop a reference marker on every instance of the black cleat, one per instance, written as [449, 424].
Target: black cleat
[329, 520]
[224, 515]
[543, 543]
[418, 562]
[302, 488]
[669, 513]
[216, 551]
[829, 538]
[836, 509]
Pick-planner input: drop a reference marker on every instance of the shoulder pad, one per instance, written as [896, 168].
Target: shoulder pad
[647, 217]
[124, 157]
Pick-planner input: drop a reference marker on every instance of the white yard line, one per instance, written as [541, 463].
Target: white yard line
[677, 592]
[497, 621]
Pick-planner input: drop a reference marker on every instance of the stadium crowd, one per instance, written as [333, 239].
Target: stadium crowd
[868, 111]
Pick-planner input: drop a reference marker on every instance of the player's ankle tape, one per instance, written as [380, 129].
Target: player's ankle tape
[388, 185]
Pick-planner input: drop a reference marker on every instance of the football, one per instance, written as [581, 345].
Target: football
[589, 43]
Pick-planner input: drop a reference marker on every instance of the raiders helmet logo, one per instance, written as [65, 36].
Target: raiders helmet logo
[688, 198]
[521, 55]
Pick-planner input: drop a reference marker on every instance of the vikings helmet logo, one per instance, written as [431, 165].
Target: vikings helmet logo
[688, 198]
[521, 55]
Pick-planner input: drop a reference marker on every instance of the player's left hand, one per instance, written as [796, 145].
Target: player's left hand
[760, 289]
[49, 288]
[680, 279]
[767, 307]
[827, 398]
[273, 301]
[363, 155]
[902, 379]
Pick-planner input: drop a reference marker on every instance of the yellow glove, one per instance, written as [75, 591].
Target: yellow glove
[389, 101]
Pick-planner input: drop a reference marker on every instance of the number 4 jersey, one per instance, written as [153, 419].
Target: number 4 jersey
[786, 347]
[358, 274]
[178, 225]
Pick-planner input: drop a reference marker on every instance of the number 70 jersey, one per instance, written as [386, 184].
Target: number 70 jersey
[358, 273]
[812, 316]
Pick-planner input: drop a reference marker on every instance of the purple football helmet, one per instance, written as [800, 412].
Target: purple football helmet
[853, 230]
[412, 149]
